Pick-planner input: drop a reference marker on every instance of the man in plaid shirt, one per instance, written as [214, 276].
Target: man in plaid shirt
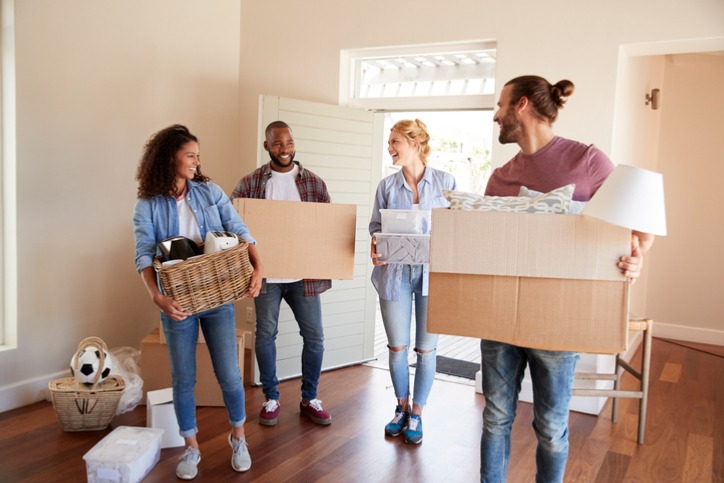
[282, 178]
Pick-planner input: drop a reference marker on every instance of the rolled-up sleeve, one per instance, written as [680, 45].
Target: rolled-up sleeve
[143, 231]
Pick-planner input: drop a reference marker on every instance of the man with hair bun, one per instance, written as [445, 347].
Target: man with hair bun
[527, 108]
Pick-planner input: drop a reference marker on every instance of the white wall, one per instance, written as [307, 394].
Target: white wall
[291, 49]
[687, 266]
[95, 78]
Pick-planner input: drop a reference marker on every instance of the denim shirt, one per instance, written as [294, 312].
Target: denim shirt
[393, 192]
[155, 219]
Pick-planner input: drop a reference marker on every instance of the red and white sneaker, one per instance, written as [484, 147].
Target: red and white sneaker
[314, 411]
[269, 412]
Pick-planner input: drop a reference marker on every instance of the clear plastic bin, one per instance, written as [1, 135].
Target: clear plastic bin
[412, 222]
[127, 454]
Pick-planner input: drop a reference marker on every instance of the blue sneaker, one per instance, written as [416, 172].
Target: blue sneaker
[398, 423]
[413, 431]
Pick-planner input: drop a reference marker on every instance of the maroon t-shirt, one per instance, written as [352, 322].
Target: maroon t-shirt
[559, 163]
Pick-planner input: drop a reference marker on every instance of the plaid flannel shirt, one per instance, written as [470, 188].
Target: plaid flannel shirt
[311, 189]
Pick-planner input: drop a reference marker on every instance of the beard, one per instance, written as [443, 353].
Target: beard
[278, 162]
[510, 130]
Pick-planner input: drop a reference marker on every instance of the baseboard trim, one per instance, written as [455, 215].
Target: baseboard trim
[26, 392]
[688, 334]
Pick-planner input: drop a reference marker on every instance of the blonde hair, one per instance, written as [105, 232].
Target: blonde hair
[415, 131]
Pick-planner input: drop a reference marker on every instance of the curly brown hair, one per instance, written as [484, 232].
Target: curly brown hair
[156, 174]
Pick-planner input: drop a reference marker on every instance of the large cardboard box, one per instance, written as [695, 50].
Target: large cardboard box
[156, 368]
[302, 240]
[532, 280]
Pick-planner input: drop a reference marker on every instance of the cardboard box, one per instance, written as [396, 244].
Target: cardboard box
[532, 280]
[409, 249]
[302, 240]
[126, 455]
[156, 368]
[160, 414]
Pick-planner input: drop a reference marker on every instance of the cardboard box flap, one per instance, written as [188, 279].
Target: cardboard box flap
[526, 245]
[302, 240]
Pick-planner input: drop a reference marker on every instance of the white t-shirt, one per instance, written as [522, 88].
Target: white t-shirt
[283, 186]
[188, 226]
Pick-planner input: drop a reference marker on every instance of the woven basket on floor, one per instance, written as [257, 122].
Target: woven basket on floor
[207, 281]
[86, 407]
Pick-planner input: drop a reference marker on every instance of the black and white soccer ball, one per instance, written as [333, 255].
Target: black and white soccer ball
[88, 363]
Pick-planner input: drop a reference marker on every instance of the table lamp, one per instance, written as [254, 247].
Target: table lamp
[632, 198]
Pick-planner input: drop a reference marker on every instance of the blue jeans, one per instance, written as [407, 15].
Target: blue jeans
[552, 377]
[397, 317]
[219, 327]
[308, 313]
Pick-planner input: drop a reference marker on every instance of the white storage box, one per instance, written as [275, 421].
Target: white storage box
[396, 248]
[160, 414]
[126, 455]
[412, 222]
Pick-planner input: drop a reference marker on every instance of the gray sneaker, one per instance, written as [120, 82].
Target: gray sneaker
[240, 457]
[187, 464]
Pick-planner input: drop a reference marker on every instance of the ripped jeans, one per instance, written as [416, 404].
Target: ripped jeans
[397, 319]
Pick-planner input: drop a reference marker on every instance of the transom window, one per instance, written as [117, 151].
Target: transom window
[458, 75]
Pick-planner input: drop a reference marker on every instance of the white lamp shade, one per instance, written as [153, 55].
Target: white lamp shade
[633, 198]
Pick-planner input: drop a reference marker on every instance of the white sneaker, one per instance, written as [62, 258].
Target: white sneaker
[240, 457]
[187, 464]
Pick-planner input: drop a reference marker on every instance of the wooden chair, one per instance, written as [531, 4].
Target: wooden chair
[638, 324]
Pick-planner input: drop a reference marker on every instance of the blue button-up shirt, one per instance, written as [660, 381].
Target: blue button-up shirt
[155, 219]
[393, 192]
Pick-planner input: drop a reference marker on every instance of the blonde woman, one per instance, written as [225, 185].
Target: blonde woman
[400, 286]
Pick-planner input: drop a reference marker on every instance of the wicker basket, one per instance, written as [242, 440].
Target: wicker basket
[86, 407]
[207, 281]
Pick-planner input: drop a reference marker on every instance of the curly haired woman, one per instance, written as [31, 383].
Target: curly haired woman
[174, 198]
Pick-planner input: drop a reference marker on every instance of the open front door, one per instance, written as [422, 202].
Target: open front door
[343, 146]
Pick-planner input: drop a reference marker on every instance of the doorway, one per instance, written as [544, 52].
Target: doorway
[460, 144]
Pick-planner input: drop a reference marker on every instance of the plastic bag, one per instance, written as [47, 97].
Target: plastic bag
[126, 364]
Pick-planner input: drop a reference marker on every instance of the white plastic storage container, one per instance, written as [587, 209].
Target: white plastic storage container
[125, 455]
[411, 222]
[397, 248]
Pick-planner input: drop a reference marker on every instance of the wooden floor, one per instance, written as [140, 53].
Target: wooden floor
[684, 434]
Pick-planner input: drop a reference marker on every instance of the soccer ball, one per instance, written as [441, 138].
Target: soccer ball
[88, 363]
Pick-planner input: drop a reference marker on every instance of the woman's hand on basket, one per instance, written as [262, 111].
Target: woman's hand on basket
[373, 253]
[170, 307]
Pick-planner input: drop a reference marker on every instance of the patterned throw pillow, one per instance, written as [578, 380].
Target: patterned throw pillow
[575, 208]
[557, 201]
